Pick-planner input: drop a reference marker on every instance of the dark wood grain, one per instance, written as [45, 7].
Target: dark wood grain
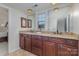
[66, 50]
[27, 41]
[49, 46]
[22, 41]
[37, 45]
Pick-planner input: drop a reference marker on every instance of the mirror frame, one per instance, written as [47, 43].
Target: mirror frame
[23, 22]
[29, 23]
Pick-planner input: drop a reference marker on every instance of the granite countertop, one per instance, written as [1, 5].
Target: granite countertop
[67, 36]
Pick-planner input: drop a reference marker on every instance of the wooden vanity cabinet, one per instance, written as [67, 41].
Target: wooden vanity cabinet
[49, 46]
[22, 38]
[37, 45]
[27, 41]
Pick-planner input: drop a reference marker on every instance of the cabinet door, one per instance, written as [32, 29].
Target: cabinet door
[37, 45]
[28, 42]
[65, 50]
[49, 48]
[37, 42]
[21, 41]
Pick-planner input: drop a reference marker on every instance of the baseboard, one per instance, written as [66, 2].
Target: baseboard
[13, 50]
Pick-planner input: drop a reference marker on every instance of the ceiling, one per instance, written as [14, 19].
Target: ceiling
[40, 7]
[25, 6]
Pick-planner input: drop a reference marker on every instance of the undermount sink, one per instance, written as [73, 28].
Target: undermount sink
[38, 32]
[35, 31]
[46, 32]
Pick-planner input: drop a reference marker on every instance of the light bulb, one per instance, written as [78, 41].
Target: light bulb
[29, 11]
[53, 3]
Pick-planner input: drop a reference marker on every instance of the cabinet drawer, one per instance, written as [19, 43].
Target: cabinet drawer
[27, 36]
[36, 37]
[56, 40]
[52, 39]
[37, 51]
[44, 38]
[73, 43]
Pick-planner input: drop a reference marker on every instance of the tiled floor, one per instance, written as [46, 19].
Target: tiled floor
[3, 48]
[21, 52]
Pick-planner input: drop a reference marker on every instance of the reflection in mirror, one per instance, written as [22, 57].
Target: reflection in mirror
[64, 24]
[23, 22]
[29, 23]
[42, 17]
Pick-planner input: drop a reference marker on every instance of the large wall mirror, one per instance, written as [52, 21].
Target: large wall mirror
[64, 24]
[29, 23]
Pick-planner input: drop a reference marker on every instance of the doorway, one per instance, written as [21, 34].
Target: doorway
[3, 31]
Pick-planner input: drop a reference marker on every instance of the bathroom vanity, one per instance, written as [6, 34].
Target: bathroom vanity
[49, 44]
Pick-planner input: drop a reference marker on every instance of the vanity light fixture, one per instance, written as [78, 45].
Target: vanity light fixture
[29, 11]
[56, 9]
